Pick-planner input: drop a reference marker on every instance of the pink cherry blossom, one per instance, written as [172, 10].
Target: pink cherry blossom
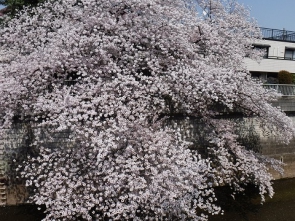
[124, 81]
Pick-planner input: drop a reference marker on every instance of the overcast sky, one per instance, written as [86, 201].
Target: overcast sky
[277, 14]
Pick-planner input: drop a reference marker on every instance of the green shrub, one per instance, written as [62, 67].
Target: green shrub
[285, 77]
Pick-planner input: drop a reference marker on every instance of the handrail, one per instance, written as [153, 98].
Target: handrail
[284, 89]
[280, 58]
[277, 34]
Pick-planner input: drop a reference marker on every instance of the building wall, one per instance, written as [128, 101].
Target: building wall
[275, 61]
[270, 65]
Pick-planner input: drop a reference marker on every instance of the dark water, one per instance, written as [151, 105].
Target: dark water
[21, 213]
[246, 207]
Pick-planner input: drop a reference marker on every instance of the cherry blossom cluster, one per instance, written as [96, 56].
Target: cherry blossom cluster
[113, 74]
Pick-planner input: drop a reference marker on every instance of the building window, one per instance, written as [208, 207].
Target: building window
[272, 78]
[262, 47]
[290, 54]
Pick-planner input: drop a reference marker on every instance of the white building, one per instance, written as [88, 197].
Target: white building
[279, 48]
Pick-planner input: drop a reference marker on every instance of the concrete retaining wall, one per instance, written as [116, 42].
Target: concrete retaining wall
[16, 142]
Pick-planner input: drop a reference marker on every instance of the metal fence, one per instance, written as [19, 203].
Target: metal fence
[276, 34]
[284, 89]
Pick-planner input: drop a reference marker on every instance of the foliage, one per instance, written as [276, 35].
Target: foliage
[113, 73]
[285, 77]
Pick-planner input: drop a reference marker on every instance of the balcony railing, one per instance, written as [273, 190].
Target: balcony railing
[284, 89]
[279, 35]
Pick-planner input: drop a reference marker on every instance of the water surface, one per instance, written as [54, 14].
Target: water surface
[245, 207]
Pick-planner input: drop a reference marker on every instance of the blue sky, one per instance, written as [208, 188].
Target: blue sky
[276, 14]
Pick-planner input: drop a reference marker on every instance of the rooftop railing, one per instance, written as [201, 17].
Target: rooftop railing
[284, 89]
[279, 35]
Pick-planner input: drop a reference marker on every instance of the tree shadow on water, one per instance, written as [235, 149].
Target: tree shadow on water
[237, 207]
[25, 212]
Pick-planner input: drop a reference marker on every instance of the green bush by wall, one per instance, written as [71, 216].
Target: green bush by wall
[285, 77]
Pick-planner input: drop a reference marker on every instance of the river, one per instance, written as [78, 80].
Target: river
[246, 207]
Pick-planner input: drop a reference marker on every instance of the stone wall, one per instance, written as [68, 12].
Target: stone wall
[285, 153]
[287, 104]
[15, 143]
[14, 148]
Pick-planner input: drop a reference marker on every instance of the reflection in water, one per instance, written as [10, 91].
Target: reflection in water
[21, 213]
[248, 208]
